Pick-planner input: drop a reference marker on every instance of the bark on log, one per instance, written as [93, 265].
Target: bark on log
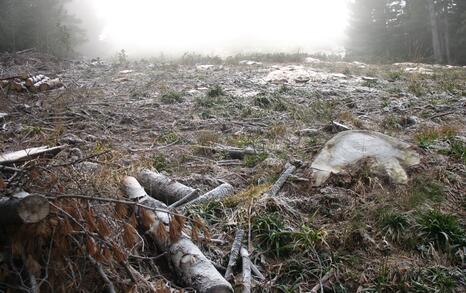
[246, 274]
[34, 79]
[50, 85]
[186, 258]
[234, 253]
[23, 208]
[17, 86]
[281, 180]
[163, 188]
[36, 87]
[219, 192]
[28, 154]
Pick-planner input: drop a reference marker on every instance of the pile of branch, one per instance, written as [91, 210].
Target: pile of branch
[31, 83]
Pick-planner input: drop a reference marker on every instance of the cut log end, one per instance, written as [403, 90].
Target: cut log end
[33, 209]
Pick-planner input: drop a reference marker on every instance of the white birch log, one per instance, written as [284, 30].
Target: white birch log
[246, 273]
[28, 154]
[50, 84]
[23, 208]
[34, 79]
[189, 263]
[162, 187]
[219, 192]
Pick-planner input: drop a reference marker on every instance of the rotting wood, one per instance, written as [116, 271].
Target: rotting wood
[27, 154]
[162, 187]
[289, 169]
[23, 208]
[221, 191]
[185, 257]
[234, 253]
[246, 273]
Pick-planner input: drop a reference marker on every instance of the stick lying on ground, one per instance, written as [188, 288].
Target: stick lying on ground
[246, 273]
[190, 197]
[23, 208]
[234, 253]
[281, 180]
[326, 279]
[187, 260]
[163, 188]
[28, 154]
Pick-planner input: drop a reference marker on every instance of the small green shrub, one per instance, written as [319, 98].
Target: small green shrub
[160, 163]
[215, 91]
[442, 230]
[254, 159]
[425, 190]
[171, 97]
[394, 225]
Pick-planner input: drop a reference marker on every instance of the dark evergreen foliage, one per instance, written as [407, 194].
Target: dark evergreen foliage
[41, 24]
[408, 30]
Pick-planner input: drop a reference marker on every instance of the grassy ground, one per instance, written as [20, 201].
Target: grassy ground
[375, 236]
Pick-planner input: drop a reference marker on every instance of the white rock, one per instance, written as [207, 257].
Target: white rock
[350, 147]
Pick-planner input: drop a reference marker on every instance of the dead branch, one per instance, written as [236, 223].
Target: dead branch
[281, 180]
[326, 279]
[28, 154]
[103, 275]
[246, 273]
[234, 253]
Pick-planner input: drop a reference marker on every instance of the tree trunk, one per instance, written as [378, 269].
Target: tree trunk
[23, 208]
[163, 188]
[435, 32]
[189, 263]
[446, 33]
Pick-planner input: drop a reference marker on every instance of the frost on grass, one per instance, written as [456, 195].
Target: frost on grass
[350, 147]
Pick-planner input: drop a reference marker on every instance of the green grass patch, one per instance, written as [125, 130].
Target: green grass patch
[171, 97]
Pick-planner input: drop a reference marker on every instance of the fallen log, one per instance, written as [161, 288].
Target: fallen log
[219, 192]
[246, 273]
[188, 262]
[50, 84]
[281, 180]
[23, 208]
[28, 154]
[18, 86]
[34, 79]
[234, 253]
[36, 87]
[162, 187]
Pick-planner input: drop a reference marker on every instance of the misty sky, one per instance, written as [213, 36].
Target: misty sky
[222, 26]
